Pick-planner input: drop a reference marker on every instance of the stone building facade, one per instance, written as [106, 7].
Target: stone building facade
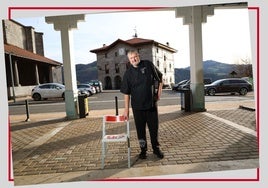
[112, 60]
[25, 63]
[23, 37]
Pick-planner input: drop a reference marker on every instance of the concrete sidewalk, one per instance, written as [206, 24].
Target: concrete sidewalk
[51, 149]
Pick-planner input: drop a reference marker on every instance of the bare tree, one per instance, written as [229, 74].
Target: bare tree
[244, 68]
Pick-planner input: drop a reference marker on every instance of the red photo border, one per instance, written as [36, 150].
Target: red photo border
[257, 9]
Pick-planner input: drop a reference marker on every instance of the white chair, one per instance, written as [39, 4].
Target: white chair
[120, 137]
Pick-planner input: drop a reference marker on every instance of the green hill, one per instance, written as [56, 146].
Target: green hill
[212, 69]
[86, 72]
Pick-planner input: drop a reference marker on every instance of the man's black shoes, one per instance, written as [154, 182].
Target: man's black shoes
[143, 155]
[159, 154]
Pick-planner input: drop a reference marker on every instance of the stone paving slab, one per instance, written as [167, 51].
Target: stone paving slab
[51, 149]
[186, 138]
[242, 117]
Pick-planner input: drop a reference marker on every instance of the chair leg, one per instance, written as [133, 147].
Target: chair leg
[128, 157]
[128, 145]
[102, 155]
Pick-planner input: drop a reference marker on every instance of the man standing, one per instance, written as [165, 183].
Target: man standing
[139, 86]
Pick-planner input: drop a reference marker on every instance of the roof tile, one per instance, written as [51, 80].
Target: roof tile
[16, 51]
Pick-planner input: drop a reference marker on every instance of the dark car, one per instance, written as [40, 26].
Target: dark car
[207, 81]
[177, 86]
[187, 84]
[229, 85]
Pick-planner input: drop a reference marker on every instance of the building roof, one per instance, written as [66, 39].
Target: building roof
[133, 42]
[19, 52]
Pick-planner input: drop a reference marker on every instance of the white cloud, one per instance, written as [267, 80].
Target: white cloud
[225, 35]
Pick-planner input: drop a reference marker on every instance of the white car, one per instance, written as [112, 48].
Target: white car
[48, 90]
[97, 84]
[91, 90]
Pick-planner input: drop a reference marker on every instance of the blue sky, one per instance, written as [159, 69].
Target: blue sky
[226, 36]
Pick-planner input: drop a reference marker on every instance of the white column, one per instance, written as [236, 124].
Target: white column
[65, 24]
[196, 60]
[194, 16]
[37, 80]
[16, 74]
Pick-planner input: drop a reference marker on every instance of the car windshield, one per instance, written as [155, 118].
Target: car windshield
[63, 86]
[183, 81]
[188, 82]
[93, 82]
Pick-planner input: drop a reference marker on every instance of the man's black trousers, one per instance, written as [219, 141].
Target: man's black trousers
[149, 117]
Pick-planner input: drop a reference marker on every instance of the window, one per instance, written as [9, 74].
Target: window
[121, 51]
[117, 70]
[115, 54]
[53, 86]
[105, 55]
[237, 81]
[165, 57]
[45, 87]
[226, 82]
[157, 63]
[107, 69]
[233, 81]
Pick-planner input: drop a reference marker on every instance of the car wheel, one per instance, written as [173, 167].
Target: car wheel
[211, 92]
[37, 97]
[243, 91]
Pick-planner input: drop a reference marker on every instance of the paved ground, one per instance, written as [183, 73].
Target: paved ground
[50, 149]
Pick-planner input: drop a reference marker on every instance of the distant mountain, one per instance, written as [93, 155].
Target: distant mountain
[86, 72]
[181, 74]
[212, 69]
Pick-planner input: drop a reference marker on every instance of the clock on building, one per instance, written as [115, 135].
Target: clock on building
[121, 51]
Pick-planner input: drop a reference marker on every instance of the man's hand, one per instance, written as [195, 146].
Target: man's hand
[159, 93]
[126, 114]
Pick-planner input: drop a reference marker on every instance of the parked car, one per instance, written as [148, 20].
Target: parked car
[83, 92]
[48, 90]
[229, 85]
[97, 84]
[176, 87]
[207, 81]
[86, 87]
[166, 86]
[187, 84]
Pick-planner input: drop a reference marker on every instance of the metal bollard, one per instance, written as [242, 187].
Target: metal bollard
[116, 106]
[27, 110]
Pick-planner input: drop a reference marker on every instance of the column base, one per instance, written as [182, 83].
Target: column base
[198, 97]
[71, 105]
